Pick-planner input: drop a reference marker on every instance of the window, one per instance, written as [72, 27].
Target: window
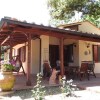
[96, 53]
[68, 54]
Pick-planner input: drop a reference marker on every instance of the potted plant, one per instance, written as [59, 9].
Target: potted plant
[7, 78]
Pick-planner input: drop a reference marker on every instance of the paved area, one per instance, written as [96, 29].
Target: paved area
[91, 92]
[92, 84]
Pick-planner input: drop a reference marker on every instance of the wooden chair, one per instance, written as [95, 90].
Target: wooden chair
[46, 69]
[91, 67]
[18, 69]
[83, 71]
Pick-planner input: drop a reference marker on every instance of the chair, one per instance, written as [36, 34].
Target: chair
[91, 67]
[18, 64]
[18, 69]
[83, 71]
[46, 69]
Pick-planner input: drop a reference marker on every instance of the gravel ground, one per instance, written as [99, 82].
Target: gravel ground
[52, 93]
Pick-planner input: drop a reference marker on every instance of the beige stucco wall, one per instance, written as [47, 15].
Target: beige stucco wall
[53, 40]
[35, 56]
[85, 54]
[44, 50]
[88, 27]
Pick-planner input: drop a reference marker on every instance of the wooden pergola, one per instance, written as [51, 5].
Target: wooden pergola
[14, 32]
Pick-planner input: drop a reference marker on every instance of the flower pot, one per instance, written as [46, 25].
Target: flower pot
[7, 81]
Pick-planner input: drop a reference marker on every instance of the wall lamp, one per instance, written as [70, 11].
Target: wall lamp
[74, 44]
[87, 45]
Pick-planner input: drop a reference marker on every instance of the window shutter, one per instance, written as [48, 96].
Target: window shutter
[95, 53]
[99, 53]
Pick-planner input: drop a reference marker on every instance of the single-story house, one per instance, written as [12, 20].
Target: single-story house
[71, 44]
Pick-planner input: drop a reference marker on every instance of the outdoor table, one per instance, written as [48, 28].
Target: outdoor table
[71, 71]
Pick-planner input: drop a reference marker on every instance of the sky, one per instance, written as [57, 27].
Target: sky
[29, 10]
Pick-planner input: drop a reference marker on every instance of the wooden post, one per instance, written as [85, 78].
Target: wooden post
[61, 57]
[0, 56]
[10, 56]
[28, 75]
[40, 57]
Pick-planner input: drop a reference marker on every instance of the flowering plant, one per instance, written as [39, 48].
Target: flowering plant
[7, 67]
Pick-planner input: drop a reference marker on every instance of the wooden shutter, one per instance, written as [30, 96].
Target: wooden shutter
[95, 53]
[99, 53]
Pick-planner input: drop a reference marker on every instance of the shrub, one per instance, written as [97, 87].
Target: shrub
[67, 87]
[38, 91]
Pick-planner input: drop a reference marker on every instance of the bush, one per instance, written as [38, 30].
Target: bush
[38, 91]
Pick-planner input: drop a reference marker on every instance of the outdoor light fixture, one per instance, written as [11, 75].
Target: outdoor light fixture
[74, 44]
[87, 44]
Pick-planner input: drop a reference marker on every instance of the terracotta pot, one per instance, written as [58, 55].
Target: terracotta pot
[7, 81]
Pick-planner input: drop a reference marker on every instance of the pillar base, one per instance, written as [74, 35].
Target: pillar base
[28, 83]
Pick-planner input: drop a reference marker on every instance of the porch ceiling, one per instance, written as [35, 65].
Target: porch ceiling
[16, 32]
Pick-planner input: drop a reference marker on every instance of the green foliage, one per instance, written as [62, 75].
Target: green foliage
[62, 10]
[93, 20]
[38, 91]
[67, 87]
[7, 67]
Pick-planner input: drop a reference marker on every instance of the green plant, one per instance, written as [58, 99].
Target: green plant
[7, 67]
[38, 91]
[67, 87]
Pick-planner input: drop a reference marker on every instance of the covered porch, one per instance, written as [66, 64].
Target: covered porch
[14, 32]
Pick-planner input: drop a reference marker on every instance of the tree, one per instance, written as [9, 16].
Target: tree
[65, 10]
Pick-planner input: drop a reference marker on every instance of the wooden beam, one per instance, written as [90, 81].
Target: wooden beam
[28, 82]
[10, 56]
[0, 56]
[61, 57]
[58, 34]
[5, 40]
